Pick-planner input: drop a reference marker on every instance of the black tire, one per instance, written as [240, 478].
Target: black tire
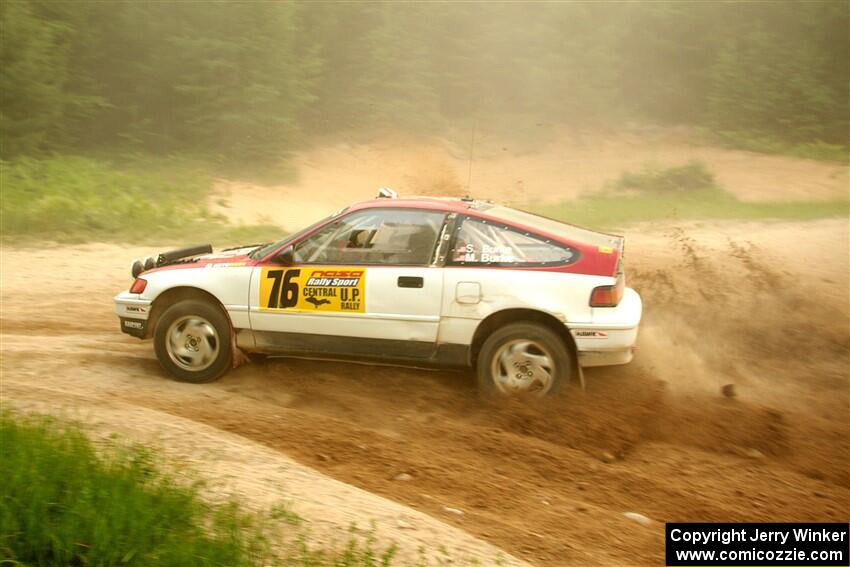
[527, 363]
[204, 326]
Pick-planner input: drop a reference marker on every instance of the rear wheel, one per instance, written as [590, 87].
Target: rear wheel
[192, 341]
[523, 359]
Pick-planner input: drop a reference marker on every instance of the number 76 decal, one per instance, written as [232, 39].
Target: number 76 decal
[284, 291]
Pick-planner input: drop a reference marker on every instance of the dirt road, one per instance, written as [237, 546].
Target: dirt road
[568, 167]
[761, 306]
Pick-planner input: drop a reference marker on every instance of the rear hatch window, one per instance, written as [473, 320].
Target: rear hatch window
[556, 228]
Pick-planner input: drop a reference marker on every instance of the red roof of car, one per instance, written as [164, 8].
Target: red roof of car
[452, 204]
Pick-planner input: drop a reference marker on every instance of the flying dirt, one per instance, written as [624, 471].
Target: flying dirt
[758, 306]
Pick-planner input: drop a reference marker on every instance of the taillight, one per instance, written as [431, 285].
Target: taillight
[608, 295]
[138, 286]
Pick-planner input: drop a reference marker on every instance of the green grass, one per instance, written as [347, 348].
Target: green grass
[65, 503]
[62, 504]
[679, 193]
[678, 180]
[818, 150]
[139, 199]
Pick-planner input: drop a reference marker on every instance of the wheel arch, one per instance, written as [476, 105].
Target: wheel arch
[516, 315]
[175, 295]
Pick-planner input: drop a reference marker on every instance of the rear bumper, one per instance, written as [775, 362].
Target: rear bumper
[611, 337]
[132, 313]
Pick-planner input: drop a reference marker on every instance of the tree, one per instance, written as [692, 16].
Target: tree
[32, 75]
[777, 80]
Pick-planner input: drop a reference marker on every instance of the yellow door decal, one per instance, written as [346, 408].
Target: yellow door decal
[313, 289]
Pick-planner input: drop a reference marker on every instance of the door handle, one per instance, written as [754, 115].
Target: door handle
[410, 281]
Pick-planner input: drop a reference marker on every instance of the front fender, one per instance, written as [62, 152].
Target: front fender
[228, 285]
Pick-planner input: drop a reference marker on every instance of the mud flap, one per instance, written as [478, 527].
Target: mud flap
[239, 357]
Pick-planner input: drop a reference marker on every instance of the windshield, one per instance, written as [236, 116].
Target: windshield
[264, 251]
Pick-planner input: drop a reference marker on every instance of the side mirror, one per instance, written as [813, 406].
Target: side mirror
[285, 257]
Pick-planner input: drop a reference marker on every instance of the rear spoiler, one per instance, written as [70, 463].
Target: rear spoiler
[621, 245]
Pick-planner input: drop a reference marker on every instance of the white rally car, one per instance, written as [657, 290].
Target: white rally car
[525, 300]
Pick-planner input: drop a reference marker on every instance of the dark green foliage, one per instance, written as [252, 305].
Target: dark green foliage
[221, 79]
[247, 82]
[33, 67]
[781, 81]
[62, 504]
[687, 178]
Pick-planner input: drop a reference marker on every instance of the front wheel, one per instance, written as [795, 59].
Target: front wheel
[523, 359]
[192, 341]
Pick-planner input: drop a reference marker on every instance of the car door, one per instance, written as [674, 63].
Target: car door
[365, 284]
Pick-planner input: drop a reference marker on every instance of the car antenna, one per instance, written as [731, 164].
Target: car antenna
[467, 197]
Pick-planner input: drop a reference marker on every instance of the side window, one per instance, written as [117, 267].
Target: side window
[374, 236]
[484, 243]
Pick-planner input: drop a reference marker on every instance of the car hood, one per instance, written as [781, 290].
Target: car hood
[228, 257]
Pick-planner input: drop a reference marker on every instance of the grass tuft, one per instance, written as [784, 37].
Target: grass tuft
[683, 179]
[678, 193]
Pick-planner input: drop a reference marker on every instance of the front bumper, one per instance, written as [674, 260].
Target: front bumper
[611, 337]
[133, 313]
